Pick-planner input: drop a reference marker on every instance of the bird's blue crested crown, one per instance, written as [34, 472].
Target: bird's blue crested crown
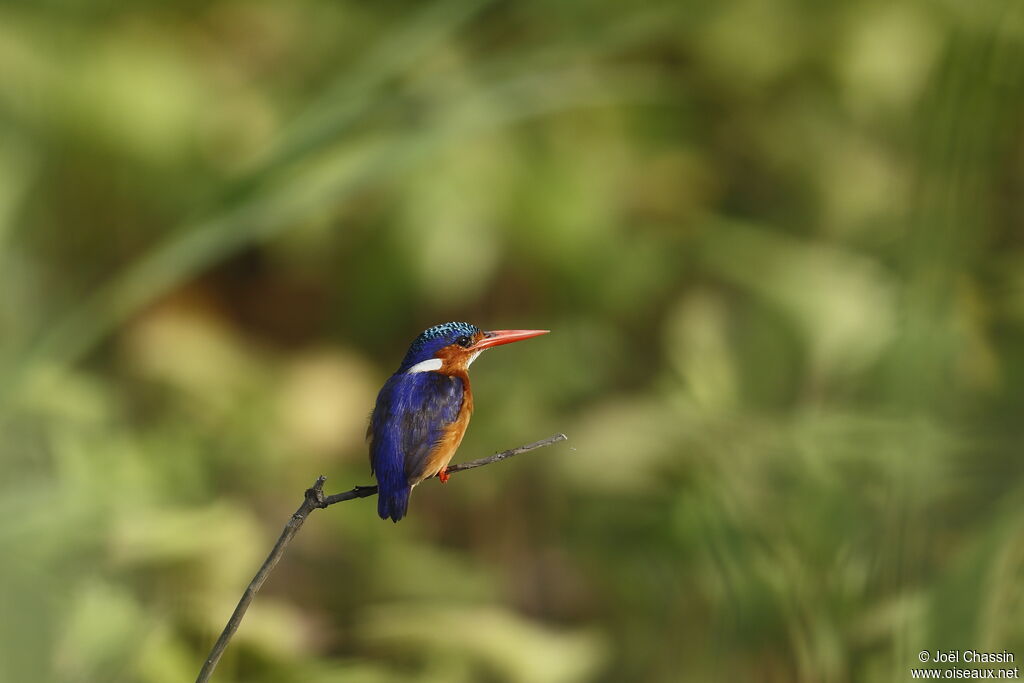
[435, 338]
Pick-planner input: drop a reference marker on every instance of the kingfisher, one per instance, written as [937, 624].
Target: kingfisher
[422, 410]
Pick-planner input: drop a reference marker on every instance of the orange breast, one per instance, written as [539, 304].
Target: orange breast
[441, 454]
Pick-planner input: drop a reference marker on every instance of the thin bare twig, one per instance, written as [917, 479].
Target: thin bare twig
[314, 499]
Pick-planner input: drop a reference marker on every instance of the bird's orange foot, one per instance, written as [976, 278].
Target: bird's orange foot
[443, 475]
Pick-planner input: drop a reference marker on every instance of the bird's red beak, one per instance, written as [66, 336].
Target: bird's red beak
[499, 337]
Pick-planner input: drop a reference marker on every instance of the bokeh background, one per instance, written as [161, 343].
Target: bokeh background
[779, 246]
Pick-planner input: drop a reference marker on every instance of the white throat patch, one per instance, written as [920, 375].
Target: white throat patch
[426, 366]
[473, 358]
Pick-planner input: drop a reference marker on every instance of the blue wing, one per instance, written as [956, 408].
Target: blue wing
[411, 414]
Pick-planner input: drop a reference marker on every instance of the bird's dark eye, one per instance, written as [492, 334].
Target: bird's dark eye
[464, 341]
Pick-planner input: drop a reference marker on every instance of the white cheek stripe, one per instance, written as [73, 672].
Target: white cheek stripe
[426, 366]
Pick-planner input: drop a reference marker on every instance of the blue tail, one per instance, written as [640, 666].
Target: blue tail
[393, 504]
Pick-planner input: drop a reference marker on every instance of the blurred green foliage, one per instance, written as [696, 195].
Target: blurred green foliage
[779, 244]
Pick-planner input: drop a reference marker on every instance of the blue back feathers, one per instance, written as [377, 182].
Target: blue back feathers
[410, 417]
[434, 339]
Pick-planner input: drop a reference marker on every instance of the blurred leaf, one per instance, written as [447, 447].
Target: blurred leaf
[843, 302]
[323, 398]
[103, 626]
[507, 646]
[889, 54]
[697, 341]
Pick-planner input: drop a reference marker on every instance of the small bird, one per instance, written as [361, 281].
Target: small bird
[423, 410]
